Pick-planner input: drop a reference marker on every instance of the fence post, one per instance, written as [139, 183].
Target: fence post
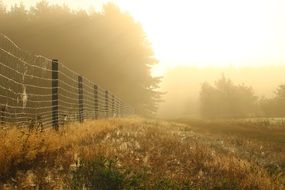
[106, 103]
[116, 107]
[55, 122]
[3, 111]
[113, 105]
[80, 99]
[119, 108]
[96, 101]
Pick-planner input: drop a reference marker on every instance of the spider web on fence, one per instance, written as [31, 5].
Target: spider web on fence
[26, 91]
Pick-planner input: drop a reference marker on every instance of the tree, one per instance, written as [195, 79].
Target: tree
[274, 107]
[226, 99]
[280, 92]
[2, 11]
[2, 8]
[108, 47]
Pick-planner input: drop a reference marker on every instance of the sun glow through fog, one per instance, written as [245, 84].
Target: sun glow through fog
[207, 32]
[217, 33]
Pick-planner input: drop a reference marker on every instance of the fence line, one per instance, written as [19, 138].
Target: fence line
[35, 90]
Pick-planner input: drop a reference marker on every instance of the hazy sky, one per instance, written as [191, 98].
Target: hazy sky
[206, 32]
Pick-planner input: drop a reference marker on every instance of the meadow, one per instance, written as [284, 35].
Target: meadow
[138, 153]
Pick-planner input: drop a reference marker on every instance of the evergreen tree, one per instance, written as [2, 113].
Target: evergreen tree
[108, 47]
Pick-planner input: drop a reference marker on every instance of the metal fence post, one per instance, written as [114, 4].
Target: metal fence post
[113, 105]
[106, 103]
[119, 108]
[3, 115]
[96, 101]
[55, 107]
[80, 99]
[116, 107]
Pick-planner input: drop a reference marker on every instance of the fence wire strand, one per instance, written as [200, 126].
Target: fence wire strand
[26, 91]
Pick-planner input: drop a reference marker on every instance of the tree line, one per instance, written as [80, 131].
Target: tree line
[107, 46]
[224, 99]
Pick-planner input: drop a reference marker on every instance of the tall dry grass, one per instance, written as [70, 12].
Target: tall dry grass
[133, 153]
[22, 149]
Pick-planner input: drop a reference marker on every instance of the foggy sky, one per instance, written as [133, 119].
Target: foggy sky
[202, 33]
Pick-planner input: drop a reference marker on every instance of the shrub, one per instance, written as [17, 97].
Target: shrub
[100, 173]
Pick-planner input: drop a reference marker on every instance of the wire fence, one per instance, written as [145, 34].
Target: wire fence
[37, 91]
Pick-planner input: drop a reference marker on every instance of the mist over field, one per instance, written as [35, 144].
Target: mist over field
[144, 94]
[183, 85]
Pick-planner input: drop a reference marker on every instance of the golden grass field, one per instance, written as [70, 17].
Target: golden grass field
[137, 153]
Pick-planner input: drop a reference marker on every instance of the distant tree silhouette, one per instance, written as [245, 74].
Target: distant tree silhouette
[274, 107]
[280, 92]
[226, 100]
[2, 8]
[108, 47]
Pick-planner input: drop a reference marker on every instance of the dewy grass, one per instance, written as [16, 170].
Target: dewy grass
[135, 153]
[99, 173]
